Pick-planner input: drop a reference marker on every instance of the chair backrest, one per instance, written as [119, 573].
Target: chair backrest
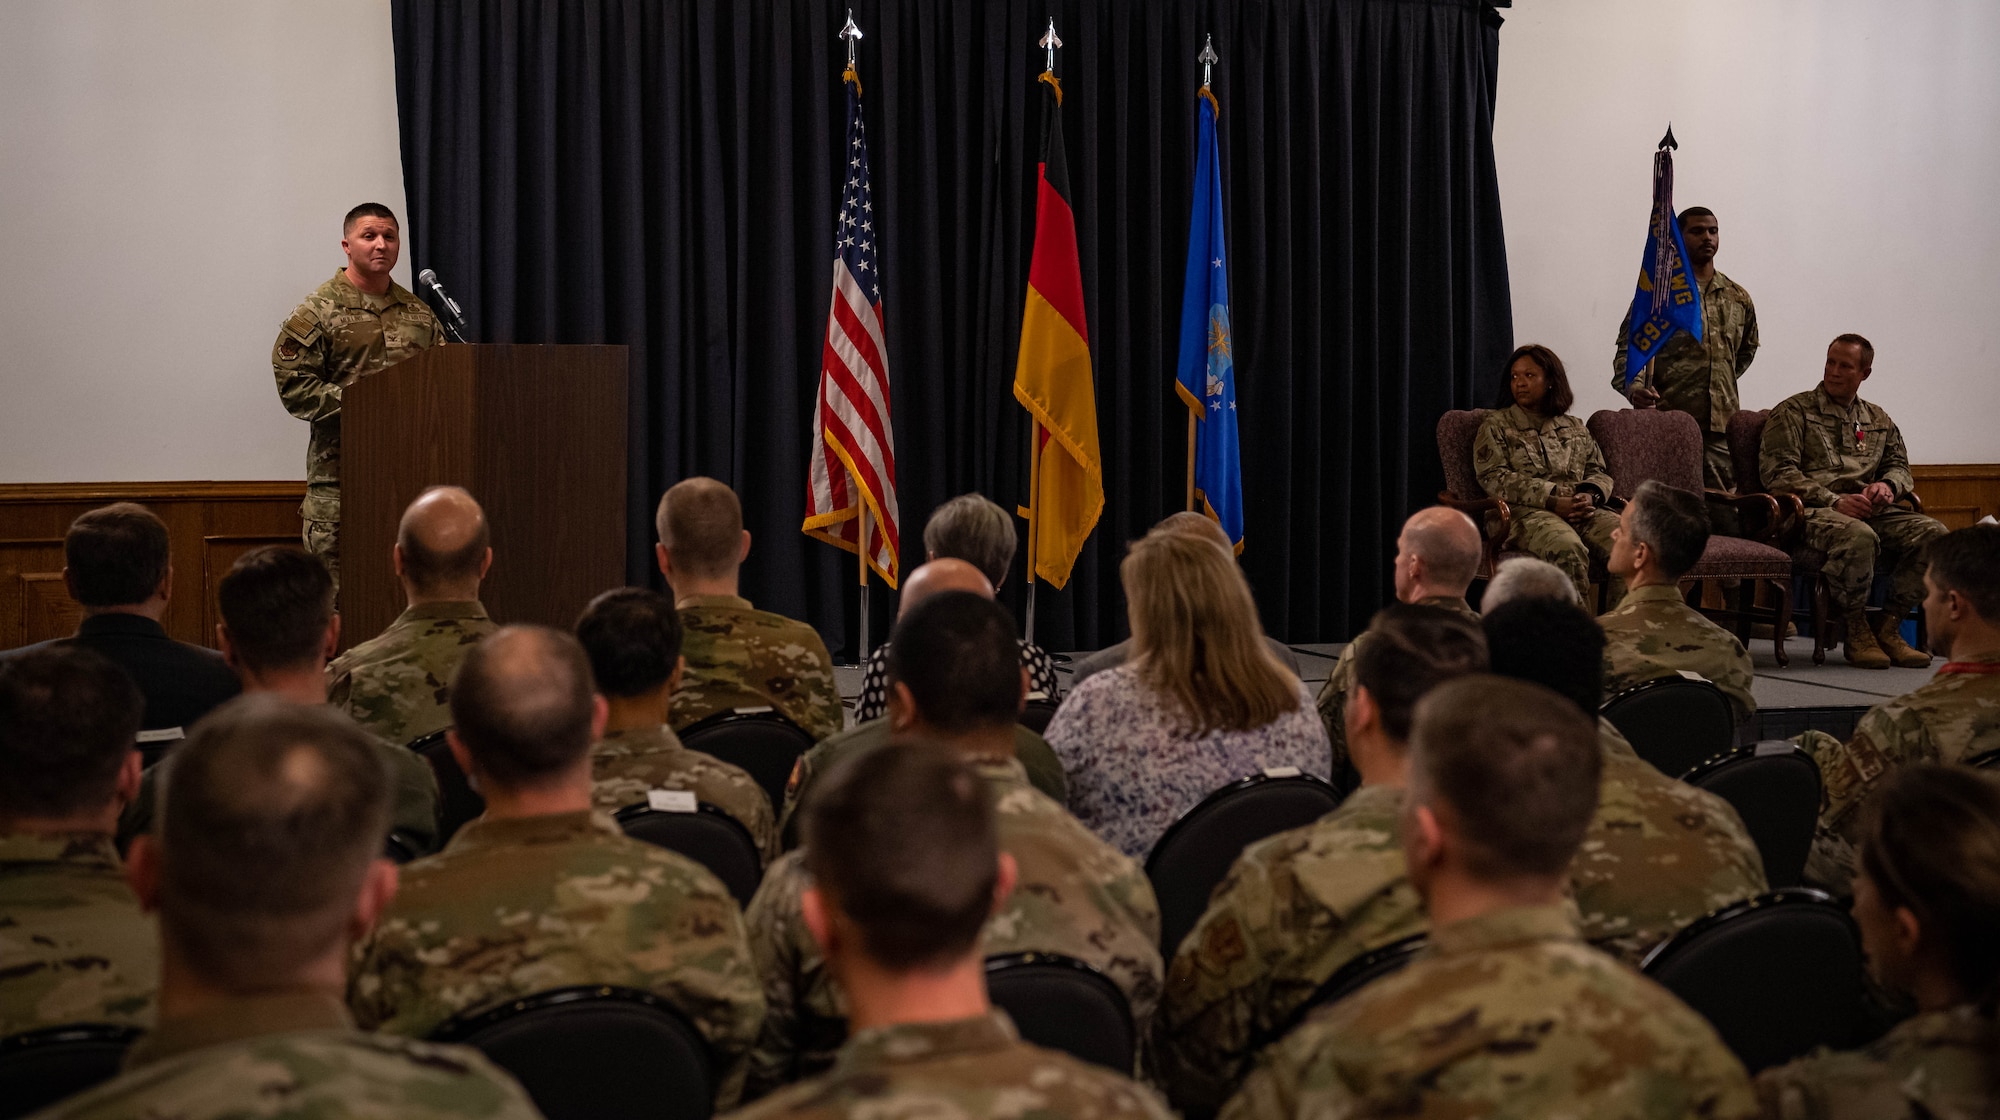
[1746, 448]
[458, 802]
[1064, 1004]
[1349, 979]
[1456, 430]
[759, 740]
[399, 847]
[596, 1052]
[1988, 761]
[1036, 714]
[1676, 723]
[1776, 976]
[707, 835]
[1197, 850]
[1648, 445]
[40, 1067]
[1774, 786]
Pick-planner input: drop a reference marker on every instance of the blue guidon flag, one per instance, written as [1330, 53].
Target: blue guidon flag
[1667, 299]
[1207, 374]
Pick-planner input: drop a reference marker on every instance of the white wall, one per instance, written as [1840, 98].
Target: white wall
[1850, 150]
[172, 179]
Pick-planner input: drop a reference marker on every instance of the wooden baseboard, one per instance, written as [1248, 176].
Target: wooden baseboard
[1961, 494]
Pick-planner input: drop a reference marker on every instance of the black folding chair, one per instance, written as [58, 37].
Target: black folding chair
[1196, 851]
[458, 802]
[1674, 722]
[708, 836]
[1774, 786]
[1349, 979]
[40, 1067]
[759, 740]
[1064, 1004]
[399, 847]
[1988, 761]
[1036, 714]
[1776, 976]
[596, 1053]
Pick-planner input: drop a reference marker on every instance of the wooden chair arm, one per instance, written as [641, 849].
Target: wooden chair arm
[1473, 509]
[1916, 503]
[1765, 504]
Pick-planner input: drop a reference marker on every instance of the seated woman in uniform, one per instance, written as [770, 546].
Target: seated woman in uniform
[1927, 899]
[1541, 461]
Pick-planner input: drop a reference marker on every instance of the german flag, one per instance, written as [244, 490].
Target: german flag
[1052, 378]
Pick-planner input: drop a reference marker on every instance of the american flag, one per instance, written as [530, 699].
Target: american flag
[854, 450]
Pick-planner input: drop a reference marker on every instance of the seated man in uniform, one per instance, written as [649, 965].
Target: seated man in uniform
[633, 639]
[903, 939]
[277, 631]
[1301, 904]
[1506, 1012]
[737, 656]
[1653, 633]
[958, 682]
[74, 947]
[1953, 718]
[265, 869]
[1844, 458]
[1659, 853]
[1437, 554]
[541, 892]
[396, 684]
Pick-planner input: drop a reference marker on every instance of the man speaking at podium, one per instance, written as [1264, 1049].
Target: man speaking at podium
[355, 324]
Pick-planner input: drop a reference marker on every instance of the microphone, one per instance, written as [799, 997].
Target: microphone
[455, 318]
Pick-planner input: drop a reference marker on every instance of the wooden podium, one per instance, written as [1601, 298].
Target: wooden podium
[536, 433]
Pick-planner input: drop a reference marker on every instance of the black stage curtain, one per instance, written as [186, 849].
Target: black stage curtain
[662, 174]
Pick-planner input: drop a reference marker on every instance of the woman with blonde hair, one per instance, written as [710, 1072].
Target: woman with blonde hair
[1201, 703]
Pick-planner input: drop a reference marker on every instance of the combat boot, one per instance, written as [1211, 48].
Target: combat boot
[1862, 651]
[1889, 635]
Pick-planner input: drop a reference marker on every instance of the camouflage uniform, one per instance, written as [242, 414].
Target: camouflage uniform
[1953, 718]
[1699, 378]
[626, 765]
[1506, 1014]
[74, 946]
[523, 905]
[1332, 699]
[340, 333]
[1294, 909]
[1811, 449]
[398, 683]
[1529, 462]
[1936, 1065]
[1658, 854]
[740, 657]
[1654, 633]
[970, 1069]
[295, 1056]
[1076, 895]
[1033, 752]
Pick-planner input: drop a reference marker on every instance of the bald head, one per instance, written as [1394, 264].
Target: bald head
[443, 546]
[522, 705]
[1188, 523]
[1436, 555]
[940, 576]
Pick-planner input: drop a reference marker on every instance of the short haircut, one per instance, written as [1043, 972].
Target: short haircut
[522, 704]
[69, 716]
[1557, 398]
[1930, 843]
[1867, 347]
[956, 653]
[1516, 771]
[270, 815]
[367, 210]
[1527, 577]
[429, 567]
[1556, 645]
[700, 522]
[277, 603]
[972, 528]
[116, 554]
[633, 639]
[1410, 650]
[1968, 561]
[1691, 213]
[1449, 544]
[903, 840]
[1671, 522]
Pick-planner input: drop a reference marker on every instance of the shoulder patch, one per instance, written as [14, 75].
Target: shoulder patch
[302, 327]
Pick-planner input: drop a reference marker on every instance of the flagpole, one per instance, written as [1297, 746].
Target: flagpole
[862, 552]
[1034, 518]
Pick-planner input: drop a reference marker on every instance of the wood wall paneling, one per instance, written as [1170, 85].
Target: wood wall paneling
[1959, 495]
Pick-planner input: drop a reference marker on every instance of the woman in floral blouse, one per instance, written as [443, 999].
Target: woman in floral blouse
[1200, 704]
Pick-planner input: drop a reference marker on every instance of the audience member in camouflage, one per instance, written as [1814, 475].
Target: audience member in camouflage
[626, 765]
[1844, 458]
[1699, 377]
[398, 684]
[355, 324]
[1544, 464]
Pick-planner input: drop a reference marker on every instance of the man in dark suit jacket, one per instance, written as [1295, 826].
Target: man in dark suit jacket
[116, 565]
